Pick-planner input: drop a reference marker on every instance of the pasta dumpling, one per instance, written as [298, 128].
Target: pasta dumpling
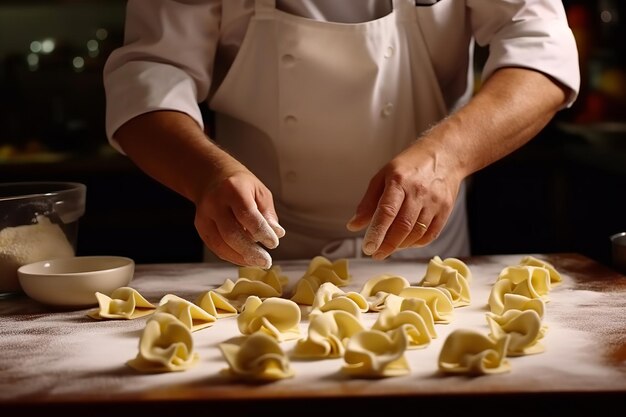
[258, 358]
[276, 317]
[165, 345]
[124, 303]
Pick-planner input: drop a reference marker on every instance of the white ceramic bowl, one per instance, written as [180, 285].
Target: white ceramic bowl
[73, 282]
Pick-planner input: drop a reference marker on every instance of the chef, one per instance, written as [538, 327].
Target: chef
[333, 127]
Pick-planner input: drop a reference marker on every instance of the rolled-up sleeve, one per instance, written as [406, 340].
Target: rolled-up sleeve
[166, 60]
[530, 34]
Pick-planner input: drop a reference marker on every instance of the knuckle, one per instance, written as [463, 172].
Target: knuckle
[388, 210]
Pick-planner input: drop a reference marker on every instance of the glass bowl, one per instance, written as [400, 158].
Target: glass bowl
[38, 221]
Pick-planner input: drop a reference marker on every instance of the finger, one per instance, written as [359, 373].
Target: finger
[277, 228]
[420, 227]
[213, 239]
[234, 235]
[253, 221]
[266, 207]
[386, 212]
[434, 229]
[366, 208]
[403, 225]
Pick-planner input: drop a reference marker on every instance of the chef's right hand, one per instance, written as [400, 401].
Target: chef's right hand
[234, 213]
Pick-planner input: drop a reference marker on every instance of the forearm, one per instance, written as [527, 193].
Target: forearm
[513, 105]
[171, 147]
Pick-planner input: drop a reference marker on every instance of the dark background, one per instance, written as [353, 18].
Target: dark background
[563, 192]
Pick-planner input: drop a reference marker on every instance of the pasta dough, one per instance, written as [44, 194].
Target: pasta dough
[187, 312]
[376, 289]
[330, 297]
[376, 354]
[555, 276]
[442, 274]
[166, 345]
[258, 358]
[437, 299]
[319, 271]
[328, 334]
[525, 330]
[124, 303]
[408, 321]
[276, 317]
[216, 305]
[467, 351]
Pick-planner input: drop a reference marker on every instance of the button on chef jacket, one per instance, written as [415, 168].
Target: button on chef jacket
[179, 55]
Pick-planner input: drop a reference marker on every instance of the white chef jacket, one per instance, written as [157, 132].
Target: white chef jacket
[176, 53]
[168, 61]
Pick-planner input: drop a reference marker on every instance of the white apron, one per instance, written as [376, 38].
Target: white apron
[316, 108]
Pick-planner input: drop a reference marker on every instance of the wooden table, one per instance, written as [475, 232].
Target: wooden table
[64, 361]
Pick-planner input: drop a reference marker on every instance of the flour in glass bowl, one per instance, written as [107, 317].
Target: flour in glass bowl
[25, 244]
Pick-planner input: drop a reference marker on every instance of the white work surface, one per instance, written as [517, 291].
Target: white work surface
[49, 356]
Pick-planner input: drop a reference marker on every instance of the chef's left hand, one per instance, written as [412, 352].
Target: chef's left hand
[408, 202]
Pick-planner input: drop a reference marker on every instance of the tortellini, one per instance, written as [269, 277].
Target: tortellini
[258, 358]
[376, 289]
[449, 274]
[328, 333]
[437, 299]
[330, 297]
[525, 330]
[124, 303]
[216, 305]
[376, 354]
[166, 345]
[467, 351]
[191, 315]
[319, 271]
[276, 317]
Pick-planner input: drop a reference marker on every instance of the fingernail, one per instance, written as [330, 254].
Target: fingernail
[378, 256]
[278, 229]
[260, 258]
[369, 248]
[351, 226]
[270, 242]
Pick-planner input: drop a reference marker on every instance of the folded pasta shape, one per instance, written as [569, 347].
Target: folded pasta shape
[259, 358]
[410, 322]
[523, 327]
[391, 284]
[466, 351]
[305, 291]
[530, 281]
[124, 303]
[330, 297]
[437, 299]
[436, 266]
[336, 272]
[555, 276]
[277, 317]
[497, 294]
[320, 271]
[269, 276]
[512, 301]
[376, 354]
[165, 345]
[244, 287]
[328, 334]
[216, 304]
[375, 290]
[442, 274]
[397, 304]
[191, 315]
